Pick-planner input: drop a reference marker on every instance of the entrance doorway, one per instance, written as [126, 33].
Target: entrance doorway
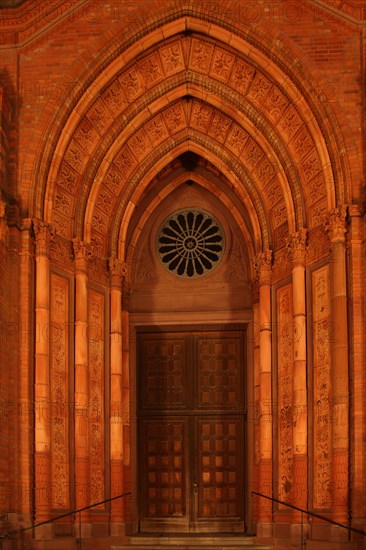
[191, 430]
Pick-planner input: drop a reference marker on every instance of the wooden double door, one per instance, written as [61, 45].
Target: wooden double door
[191, 431]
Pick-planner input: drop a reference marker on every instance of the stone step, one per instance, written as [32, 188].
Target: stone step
[191, 542]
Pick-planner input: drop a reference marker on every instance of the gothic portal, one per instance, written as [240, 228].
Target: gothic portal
[182, 256]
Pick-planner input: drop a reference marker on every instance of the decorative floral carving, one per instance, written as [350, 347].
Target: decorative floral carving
[75, 157]
[96, 389]
[114, 99]
[63, 202]
[302, 143]
[86, 135]
[139, 144]
[221, 64]
[59, 390]
[242, 75]
[219, 127]
[67, 179]
[263, 264]
[275, 103]
[285, 376]
[145, 270]
[296, 246]
[117, 267]
[259, 89]
[335, 224]
[44, 234]
[104, 200]
[83, 252]
[311, 166]
[113, 180]
[265, 172]
[290, 122]
[156, 130]
[236, 139]
[150, 69]
[174, 118]
[172, 58]
[279, 215]
[200, 116]
[125, 162]
[131, 84]
[322, 384]
[252, 153]
[236, 271]
[201, 53]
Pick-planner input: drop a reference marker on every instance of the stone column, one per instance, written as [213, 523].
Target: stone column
[117, 270]
[126, 404]
[297, 247]
[82, 254]
[263, 263]
[43, 235]
[336, 229]
[357, 266]
[256, 394]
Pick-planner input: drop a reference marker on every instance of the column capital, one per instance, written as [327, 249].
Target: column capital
[83, 252]
[335, 224]
[296, 246]
[44, 235]
[263, 265]
[117, 270]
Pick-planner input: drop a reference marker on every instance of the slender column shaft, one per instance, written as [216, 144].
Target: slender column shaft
[126, 389]
[339, 372]
[82, 489]
[256, 393]
[43, 234]
[296, 245]
[263, 264]
[116, 268]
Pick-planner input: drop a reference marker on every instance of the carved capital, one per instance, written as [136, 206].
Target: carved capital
[44, 234]
[335, 224]
[117, 270]
[263, 265]
[296, 246]
[83, 252]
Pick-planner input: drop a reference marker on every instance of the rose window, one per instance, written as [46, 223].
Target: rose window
[190, 243]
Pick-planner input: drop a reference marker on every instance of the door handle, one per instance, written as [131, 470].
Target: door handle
[195, 486]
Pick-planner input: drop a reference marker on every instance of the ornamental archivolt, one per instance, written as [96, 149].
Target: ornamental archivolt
[190, 243]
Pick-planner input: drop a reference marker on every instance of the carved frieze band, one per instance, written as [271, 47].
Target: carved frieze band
[285, 398]
[322, 396]
[59, 373]
[96, 335]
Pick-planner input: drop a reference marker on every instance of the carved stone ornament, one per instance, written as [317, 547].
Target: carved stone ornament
[335, 224]
[44, 234]
[263, 264]
[117, 267]
[296, 246]
[83, 252]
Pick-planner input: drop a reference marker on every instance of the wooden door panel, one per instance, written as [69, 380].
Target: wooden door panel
[218, 469]
[191, 431]
[219, 376]
[163, 468]
[162, 385]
